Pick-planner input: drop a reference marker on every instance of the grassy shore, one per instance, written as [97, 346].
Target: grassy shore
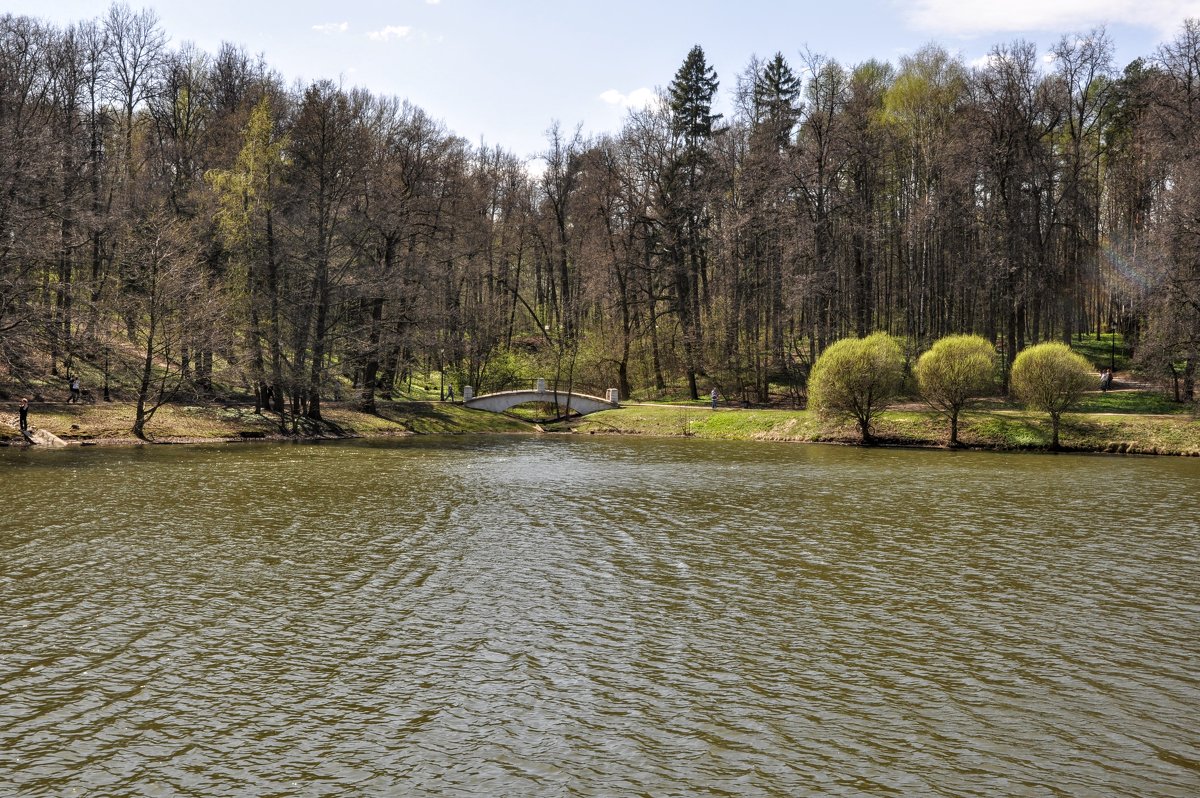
[1133, 422]
[987, 425]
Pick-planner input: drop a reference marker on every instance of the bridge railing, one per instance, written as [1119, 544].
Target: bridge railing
[612, 396]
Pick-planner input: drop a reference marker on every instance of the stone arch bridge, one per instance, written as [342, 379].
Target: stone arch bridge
[581, 403]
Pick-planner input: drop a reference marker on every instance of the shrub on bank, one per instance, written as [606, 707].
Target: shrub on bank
[857, 378]
[1051, 378]
[955, 369]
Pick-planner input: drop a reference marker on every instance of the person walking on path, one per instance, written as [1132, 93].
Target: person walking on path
[23, 412]
[713, 395]
[1106, 380]
[74, 397]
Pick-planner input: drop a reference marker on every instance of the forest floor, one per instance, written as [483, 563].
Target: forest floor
[1132, 420]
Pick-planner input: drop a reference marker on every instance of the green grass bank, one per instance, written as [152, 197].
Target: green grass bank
[986, 425]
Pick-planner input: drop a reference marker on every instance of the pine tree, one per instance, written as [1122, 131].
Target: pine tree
[776, 90]
[691, 94]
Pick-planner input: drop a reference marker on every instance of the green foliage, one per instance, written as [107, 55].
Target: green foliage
[505, 369]
[925, 92]
[857, 378]
[955, 369]
[1051, 378]
[594, 367]
[1110, 349]
[243, 191]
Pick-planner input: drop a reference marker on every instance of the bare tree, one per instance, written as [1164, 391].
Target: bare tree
[1083, 67]
[169, 299]
[135, 48]
[328, 154]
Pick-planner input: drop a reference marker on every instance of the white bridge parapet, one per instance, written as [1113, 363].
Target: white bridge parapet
[579, 402]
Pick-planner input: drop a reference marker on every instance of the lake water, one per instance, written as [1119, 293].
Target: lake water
[546, 616]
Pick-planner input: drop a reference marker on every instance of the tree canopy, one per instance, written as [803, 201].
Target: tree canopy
[955, 369]
[858, 378]
[1051, 378]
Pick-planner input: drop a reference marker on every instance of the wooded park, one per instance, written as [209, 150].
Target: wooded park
[184, 225]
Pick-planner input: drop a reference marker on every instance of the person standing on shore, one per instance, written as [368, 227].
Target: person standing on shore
[23, 412]
[714, 397]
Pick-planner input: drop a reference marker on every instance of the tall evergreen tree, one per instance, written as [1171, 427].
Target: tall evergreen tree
[776, 92]
[691, 94]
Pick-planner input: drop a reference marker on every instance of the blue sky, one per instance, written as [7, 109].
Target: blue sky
[501, 71]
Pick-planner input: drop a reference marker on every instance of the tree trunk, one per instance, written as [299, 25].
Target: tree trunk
[140, 417]
[371, 366]
[318, 352]
[1189, 378]
[864, 428]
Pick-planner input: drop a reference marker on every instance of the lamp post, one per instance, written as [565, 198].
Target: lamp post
[1112, 337]
[1003, 349]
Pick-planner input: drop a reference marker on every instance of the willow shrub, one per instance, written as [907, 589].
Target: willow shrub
[857, 378]
[1051, 378]
[956, 368]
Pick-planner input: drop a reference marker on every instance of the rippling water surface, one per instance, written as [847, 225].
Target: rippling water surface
[565, 616]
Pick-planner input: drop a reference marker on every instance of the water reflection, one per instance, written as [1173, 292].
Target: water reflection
[556, 616]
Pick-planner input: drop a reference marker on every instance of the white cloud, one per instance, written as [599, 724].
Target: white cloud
[638, 98]
[390, 32]
[982, 17]
[432, 2]
[332, 27]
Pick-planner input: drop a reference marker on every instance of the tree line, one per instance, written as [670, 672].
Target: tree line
[193, 214]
